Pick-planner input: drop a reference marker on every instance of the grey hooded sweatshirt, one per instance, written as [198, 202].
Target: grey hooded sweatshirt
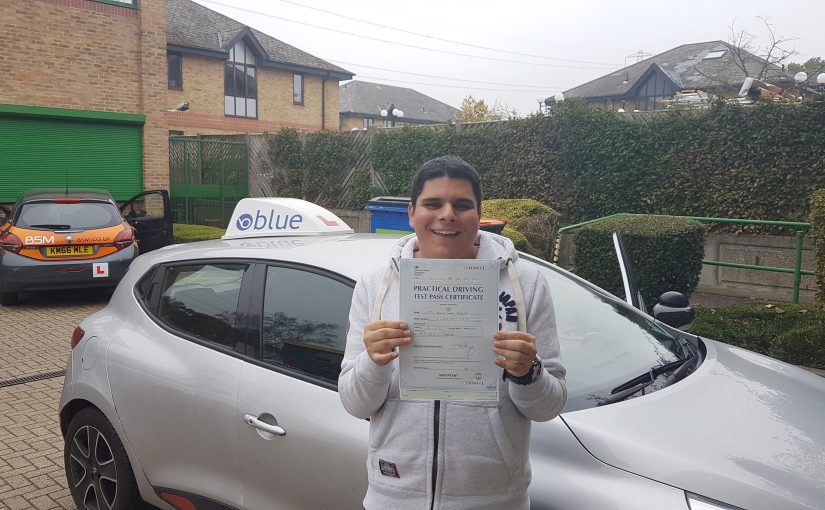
[449, 454]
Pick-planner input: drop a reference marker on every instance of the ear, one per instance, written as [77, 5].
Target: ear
[410, 212]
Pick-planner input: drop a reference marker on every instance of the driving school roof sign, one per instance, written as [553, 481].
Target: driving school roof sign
[269, 217]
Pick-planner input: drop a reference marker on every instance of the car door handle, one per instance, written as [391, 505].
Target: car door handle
[252, 421]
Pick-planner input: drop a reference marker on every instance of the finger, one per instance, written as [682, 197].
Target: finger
[514, 335]
[383, 359]
[386, 333]
[376, 325]
[516, 346]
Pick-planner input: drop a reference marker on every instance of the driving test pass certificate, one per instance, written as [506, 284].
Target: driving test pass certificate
[451, 306]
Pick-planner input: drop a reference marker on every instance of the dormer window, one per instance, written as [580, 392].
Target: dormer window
[240, 86]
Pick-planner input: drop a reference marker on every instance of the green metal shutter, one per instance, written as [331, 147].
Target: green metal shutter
[43, 152]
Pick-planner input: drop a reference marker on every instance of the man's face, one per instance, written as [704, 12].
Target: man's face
[445, 219]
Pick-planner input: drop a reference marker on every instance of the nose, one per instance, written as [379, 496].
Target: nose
[447, 212]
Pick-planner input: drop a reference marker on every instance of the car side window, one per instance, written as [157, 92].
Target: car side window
[305, 321]
[202, 301]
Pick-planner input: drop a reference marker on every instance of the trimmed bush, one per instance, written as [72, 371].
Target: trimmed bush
[537, 222]
[182, 233]
[818, 235]
[521, 242]
[792, 333]
[665, 254]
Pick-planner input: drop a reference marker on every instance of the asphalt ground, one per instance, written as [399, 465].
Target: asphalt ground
[34, 347]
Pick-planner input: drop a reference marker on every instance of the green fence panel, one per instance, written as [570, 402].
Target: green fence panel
[207, 179]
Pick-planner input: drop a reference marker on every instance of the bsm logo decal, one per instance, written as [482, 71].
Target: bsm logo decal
[272, 221]
[39, 240]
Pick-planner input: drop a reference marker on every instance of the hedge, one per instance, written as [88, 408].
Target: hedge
[182, 233]
[538, 223]
[761, 161]
[665, 254]
[792, 333]
[817, 220]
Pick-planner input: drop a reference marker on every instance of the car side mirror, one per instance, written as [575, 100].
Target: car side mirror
[674, 309]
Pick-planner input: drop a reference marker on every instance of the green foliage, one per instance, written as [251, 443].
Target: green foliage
[538, 223]
[813, 66]
[519, 241]
[759, 162]
[315, 165]
[182, 233]
[477, 110]
[792, 333]
[665, 254]
[818, 236]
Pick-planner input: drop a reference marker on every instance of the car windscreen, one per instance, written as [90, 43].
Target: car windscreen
[48, 215]
[604, 342]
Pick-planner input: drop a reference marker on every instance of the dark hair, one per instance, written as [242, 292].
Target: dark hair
[445, 166]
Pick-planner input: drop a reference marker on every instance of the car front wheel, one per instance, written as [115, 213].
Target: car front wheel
[97, 467]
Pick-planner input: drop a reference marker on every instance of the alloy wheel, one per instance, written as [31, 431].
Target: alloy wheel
[92, 469]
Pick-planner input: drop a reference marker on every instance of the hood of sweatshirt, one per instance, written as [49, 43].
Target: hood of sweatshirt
[490, 247]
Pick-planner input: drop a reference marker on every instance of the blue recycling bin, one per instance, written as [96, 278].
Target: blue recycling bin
[389, 215]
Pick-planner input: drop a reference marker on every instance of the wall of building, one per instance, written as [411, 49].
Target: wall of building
[79, 54]
[348, 122]
[203, 90]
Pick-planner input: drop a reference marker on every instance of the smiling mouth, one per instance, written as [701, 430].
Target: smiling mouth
[445, 233]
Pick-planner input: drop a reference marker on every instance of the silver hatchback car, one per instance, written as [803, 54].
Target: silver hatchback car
[209, 382]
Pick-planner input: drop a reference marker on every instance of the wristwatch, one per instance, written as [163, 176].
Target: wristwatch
[530, 377]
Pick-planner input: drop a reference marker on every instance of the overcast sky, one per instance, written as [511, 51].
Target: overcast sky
[448, 48]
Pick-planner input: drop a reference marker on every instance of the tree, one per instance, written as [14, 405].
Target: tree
[774, 54]
[473, 110]
[812, 67]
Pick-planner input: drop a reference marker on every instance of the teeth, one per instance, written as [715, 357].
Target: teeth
[445, 232]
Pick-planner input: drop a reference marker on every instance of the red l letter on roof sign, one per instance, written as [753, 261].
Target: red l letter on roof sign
[328, 222]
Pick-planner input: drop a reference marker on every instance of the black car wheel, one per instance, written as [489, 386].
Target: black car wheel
[8, 298]
[97, 467]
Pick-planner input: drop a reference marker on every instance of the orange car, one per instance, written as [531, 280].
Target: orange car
[55, 239]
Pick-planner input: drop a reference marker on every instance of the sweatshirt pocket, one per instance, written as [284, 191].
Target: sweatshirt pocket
[399, 446]
[480, 460]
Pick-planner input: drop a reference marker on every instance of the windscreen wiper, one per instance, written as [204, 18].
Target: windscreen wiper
[641, 382]
[51, 226]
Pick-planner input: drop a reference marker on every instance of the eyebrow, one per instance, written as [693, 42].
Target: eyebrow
[459, 202]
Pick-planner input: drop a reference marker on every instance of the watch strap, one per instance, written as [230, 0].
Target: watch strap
[530, 377]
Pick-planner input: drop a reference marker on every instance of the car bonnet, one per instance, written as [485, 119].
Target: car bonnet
[743, 429]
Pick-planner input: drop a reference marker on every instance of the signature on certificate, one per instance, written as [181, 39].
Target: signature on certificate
[464, 349]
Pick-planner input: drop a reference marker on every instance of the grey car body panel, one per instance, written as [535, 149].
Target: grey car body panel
[744, 429]
[19, 273]
[696, 435]
[92, 386]
[567, 477]
[184, 426]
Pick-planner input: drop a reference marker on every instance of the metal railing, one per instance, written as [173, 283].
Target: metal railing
[800, 229]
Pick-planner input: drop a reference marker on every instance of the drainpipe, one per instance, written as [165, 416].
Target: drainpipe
[324, 103]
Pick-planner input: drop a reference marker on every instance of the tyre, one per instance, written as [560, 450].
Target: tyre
[8, 298]
[97, 467]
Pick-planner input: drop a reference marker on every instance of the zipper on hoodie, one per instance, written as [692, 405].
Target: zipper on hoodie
[436, 419]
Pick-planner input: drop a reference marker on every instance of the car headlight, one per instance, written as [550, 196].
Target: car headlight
[696, 502]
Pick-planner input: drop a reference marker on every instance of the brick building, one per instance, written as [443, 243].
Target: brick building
[83, 95]
[236, 79]
[85, 89]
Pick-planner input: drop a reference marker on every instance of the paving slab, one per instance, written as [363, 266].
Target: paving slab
[34, 348]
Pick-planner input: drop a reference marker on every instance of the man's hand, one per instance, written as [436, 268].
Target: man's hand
[382, 337]
[518, 350]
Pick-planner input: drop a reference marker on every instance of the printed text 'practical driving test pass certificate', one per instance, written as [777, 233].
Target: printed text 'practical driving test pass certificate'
[452, 309]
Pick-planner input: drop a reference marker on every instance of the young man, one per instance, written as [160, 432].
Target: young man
[451, 454]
